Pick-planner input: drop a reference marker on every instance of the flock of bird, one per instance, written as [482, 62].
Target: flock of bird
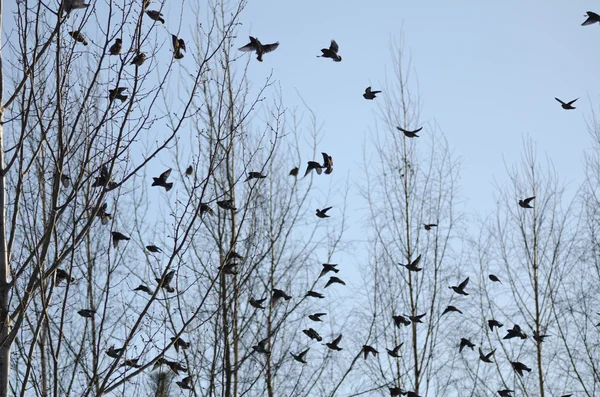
[233, 259]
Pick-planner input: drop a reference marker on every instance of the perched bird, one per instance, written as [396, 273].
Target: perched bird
[334, 280]
[117, 93]
[401, 320]
[395, 352]
[331, 52]
[116, 48]
[539, 338]
[312, 334]
[277, 295]
[227, 205]
[255, 175]
[313, 165]
[153, 248]
[114, 353]
[70, 5]
[417, 318]
[334, 345]
[568, 105]
[258, 47]
[328, 267]
[314, 294]
[261, 347]
[370, 94]
[410, 134]
[460, 288]
[204, 208]
[412, 266]
[87, 313]
[592, 18]
[451, 308]
[366, 349]
[143, 288]
[494, 323]
[327, 163]
[180, 343]
[465, 342]
[132, 362]
[178, 46]
[494, 278]
[162, 180]
[323, 213]
[294, 171]
[316, 316]
[300, 357]
[116, 237]
[428, 226]
[189, 171]
[139, 59]
[63, 275]
[79, 37]
[505, 393]
[486, 357]
[155, 15]
[257, 303]
[185, 383]
[515, 332]
[165, 281]
[519, 367]
[525, 203]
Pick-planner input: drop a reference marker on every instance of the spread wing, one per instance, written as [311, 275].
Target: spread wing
[165, 174]
[334, 46]
[251, 46]
[464, 283]
[337, 340]
[408, 131]
[270, 47]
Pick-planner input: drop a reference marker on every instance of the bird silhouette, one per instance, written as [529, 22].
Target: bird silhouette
[369, 94]
[63, 275]
[227, 205]
[539, 338]
[519, 367]
[515, 332]
[165, 281]
[567, 105]
[331, 52]
[294, 171]
[185, 383]
[175, 366]
[103, 180]
[300, 357]
[204, 208]
[327, 163]
[260, 49]
[328, 267]
[334, 280]
[395, 352]
[395, 391]
[153, 248]
[409, 133]
[87, 313]
[179, 343]
[115, 49]
[162, 180]
[257, 303]
[323, 213]
[261, 347]
[104, 216]
[428, 226]
[316, 316]
[143, 288]
[132, 363]
[460, 288]
[314, 294]
[116, 237]
[255, 175]
[114, 353]
[366, 349]
[189, 171]
[464, 342]
[505, 393]
[312, 334]
[277, 295]
[313, 165]
[139, 59]
[155, 15]
[486, 358]
[334, 345]
[451, 308]
[494, 323]
[525, 203]
[117, 93]
[178, 46]
[412, 266]
[592, 18]
[401, 320]
[494, 278]
[79, 37]
[417, 318]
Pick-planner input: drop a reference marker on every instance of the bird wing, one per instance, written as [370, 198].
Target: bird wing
[165, 174]
[324, 210]
[573, 101]
[334, 46]
[326, 159]
[464, 283]
[270, 47]
[591, 18]
[529, 199]
[175, 42]
[561, 102]
[367, 90]
[409, 132]
[337, 340]
[251, 46]
[416, 261]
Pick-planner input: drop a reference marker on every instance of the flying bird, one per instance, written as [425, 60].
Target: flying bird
[515, 332]
[328, 267]
[204, 208]
[300, 357]
[255, 175]
[395, 352]
[116, 237]
[525, 203]
[312, 334]
[87, 313]
[162, 180]
[257, 303]
[519, 367]
[331, 52]
[401, 320]
[334, 345]
[153, 248]
[180, 343]
[227, 205]
[428, 226]
[155, 15]
[464, 342]
[114, 353]
[412, 266]
[139, 59]
[277, 295]
[369, 94]
[165, 281]
[261, 347]
[70, 5]
[567, 105]
[314, 294]
[334, 280]
[103, 215]
[132, 362]
[486, 358]
[539, 338]
[460, 288]
[505, 393]
[178, 46]
[115, 49]
[451, 308]
[366, 349]
[185, 383]
[143, 288]
[313, 165]
[417, 318]
[117, 93]
[316, 316]
[494, 278]
[327, 163]
[63, 275]
[294, 171]
[323, 213]
[494, 323]
[592, 18]
[258, 47]
[79, 37]
[408, 133]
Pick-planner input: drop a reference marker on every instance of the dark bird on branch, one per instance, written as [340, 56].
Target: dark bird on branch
[116, 48]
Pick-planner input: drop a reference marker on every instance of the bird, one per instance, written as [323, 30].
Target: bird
[515, 332]
[65, 180]
[165, 281]
[328, 267]
[204, 208]
[369, 94]
[103, 215]
[116, 48]
[117, 93]
[539, 338]
[465, 342]
[323, 213]
[261, 347]
[143, 288]
[258, 47]
[525, 203]
[519, 367]
[408, 133]
[180, 343]
[277, 295]
[401, 320]
[161, 180]
[334, 345]
[314, 294]
[331, 52]
[153, 248]
[255, 175]
[417, 318]
[155, 15]
[327, 163]
[227, 205]
[185, 383]
[451, 308]
[313, 165]
[103, 180]
[460, 288]
[257, 303]
[494, 323]
[300, 357]
[494, 278]
[63, 275]
[568, 105]
[132, 362]
[189, 170]
[294, 171]
[505, 393]
[116, 237]
[312, 334]
[178, 46]
[87, 313]
[139, 59]
[229, 268]
[334, 280]
[428, 226]
[395, 352]
[412, 266]
[366, 349]
[486, 357]
[592, 18]
[114, 353]
[233, 256]
[175, 366]
[79, 37]
[316, 316]
[70, 5]
[395, 391]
